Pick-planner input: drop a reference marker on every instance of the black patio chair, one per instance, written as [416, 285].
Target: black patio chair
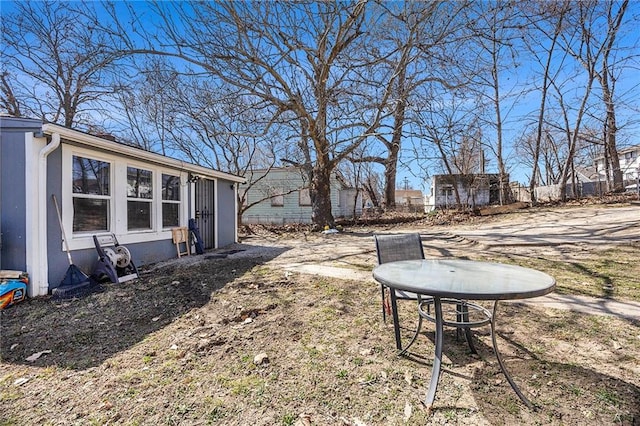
[397, 247]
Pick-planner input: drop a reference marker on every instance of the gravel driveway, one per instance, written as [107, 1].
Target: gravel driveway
[565, 233]
[561, 232]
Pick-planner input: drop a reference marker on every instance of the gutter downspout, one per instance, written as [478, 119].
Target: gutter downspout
[235, 211]
[42, 216]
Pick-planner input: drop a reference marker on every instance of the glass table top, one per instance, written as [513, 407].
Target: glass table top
[464, 279]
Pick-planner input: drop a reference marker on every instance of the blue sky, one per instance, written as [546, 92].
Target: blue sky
[518, 81]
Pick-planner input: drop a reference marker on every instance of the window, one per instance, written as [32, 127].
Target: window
[139, 198]
[277, 198]
[447, 191]
[91, 194]
[170, 201]
[304, 198]
[136, 200]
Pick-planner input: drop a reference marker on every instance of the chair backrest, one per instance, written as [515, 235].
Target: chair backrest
[392, 248]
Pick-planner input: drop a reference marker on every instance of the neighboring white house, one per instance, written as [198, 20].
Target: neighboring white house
[475, 190]
[629, 163]
[281, 195]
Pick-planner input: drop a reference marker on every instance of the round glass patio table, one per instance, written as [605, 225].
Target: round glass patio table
[444, 279]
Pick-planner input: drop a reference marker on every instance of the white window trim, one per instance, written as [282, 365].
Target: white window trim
[181, 216]
[118, 197]
[155, 216]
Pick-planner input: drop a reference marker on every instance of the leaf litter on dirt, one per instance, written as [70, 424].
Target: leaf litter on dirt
[174, 347]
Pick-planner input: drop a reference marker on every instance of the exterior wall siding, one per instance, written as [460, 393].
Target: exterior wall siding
[348, 203]
[289, 180]
[30, 235]
[13, 193]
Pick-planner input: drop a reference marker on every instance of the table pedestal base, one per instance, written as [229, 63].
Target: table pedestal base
[462, 319]
[435, 373]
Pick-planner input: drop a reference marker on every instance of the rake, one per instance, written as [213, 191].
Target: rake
[75, 281]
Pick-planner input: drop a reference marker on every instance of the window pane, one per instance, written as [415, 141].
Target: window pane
[90, 214]
[139, 183]
[90, 176]
[170, 188]
[277, 197]
[138, 215]
[170, 214]
[305, 197]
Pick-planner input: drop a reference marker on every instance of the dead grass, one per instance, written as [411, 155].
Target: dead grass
[177, 347]
[609, 272]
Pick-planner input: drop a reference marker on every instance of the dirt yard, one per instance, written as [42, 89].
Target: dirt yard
[254, 339]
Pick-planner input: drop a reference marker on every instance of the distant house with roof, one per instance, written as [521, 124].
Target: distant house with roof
[474, 190]
[281, 195]
[409, 199]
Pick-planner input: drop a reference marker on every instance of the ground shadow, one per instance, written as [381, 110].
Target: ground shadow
[82, 333]
[562, 393]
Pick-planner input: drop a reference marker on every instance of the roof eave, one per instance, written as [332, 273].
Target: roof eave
[133, 152]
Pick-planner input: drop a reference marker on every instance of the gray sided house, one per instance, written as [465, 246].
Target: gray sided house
[102, 187]
[475, 190]
[282, 196]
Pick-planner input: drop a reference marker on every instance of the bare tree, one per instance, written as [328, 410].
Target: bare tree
[494, 39]
[545, 20]
[58, 60]
[548, 152]
[450, 134]
[409, 42]
[368, 183]
[592, 53]
[210, 125]
[607, 79]
[9, 101]
[298, 57]
[571, 127]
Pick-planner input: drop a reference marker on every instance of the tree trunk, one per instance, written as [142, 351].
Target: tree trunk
[391, 164]
[610, 132]
[371, 193]
[496, 104]
[390, 172]
[541, 113]
[320, 192]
